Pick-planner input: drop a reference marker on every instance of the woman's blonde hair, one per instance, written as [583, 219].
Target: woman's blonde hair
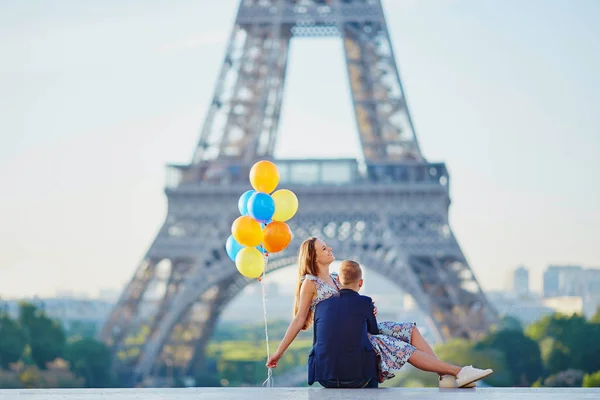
[307, 264]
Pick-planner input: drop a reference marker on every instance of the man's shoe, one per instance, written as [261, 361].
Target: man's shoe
[469, 375]
[449, 382]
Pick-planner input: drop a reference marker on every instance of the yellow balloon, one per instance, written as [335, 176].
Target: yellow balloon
[264, 176]
[286, 205]
[250, 262]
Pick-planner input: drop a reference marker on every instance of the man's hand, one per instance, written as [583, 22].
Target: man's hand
[272, 361]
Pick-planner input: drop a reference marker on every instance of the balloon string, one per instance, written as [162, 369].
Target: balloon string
[269, 381]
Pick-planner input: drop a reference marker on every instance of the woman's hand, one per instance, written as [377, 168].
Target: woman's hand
[374, 310]
[272, 361]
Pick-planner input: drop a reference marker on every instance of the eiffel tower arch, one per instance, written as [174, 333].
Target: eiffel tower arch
[388, 208]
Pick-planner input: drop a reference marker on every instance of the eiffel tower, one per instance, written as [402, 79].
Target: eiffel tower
[388, 208]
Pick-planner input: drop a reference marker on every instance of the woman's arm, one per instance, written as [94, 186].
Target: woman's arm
[307, 293]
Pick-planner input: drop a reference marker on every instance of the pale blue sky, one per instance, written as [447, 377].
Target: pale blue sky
[96, 97]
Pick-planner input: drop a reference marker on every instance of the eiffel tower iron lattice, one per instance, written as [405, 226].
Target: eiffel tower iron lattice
[387, 209]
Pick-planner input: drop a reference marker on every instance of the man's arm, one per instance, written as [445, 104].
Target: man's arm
[372, 320]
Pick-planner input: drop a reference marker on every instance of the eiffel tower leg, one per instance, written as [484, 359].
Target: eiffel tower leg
[382, 116]
[183, 316]
[117, 324]
[196, 362]
[181, 333]
[142, 304]
[244, 115]
[456, 302]
[183, 347]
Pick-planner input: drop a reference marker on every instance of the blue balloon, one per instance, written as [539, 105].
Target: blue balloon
[261, 207]
[243, 201]
[232, 247]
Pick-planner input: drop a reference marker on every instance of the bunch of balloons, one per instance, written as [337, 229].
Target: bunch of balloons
[261, 228]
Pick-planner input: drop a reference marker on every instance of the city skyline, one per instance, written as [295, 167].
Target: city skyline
[98, 101]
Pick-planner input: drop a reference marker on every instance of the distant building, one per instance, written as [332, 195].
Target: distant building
[562, 280]
[591, 287]
[562, 284]
[521, 281]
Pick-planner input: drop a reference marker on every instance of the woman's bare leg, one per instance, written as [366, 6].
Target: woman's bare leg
[427, 362]
[417, 340]
[420, 343]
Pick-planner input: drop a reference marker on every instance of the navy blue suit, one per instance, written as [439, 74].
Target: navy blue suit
[341, 347]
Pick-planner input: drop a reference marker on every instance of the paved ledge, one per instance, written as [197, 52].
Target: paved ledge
[302, 394]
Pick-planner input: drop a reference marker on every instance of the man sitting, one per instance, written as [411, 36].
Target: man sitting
[342, 356]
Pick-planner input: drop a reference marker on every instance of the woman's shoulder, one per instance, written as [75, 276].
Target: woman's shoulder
[308, 277]
[309, 283]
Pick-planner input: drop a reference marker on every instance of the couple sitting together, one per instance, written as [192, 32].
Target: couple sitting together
[350, 349]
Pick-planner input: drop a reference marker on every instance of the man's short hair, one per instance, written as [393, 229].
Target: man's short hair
[350, 272]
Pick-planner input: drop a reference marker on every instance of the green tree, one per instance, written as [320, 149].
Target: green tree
[522, 354]
[46, 336]
[82, 329]
[13, 340]
[596, 317]
[207, 376]
[591, 380]
[91, 360]
[557, 357]
[567, 342]
[509, 323]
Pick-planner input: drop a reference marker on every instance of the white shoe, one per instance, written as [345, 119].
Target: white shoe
[469, 374]
[449, 382]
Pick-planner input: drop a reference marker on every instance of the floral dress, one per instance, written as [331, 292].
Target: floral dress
[392, 345]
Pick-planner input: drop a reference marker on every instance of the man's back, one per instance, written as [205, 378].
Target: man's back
[341, 348]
